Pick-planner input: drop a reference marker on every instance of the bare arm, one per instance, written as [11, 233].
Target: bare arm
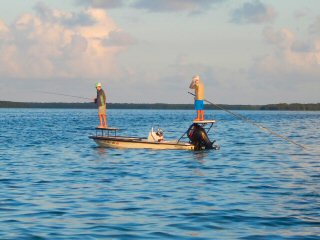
[192, 85]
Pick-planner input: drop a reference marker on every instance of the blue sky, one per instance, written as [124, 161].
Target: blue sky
[142, 51]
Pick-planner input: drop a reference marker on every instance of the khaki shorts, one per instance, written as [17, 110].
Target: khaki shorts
[102, 110]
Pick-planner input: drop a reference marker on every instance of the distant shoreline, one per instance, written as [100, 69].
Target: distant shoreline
[273, 107]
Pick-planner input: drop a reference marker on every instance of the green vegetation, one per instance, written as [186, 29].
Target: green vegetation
[292, 107]
[280, 106]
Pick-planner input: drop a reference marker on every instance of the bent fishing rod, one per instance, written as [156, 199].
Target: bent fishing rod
[253, 123]
[66, 95]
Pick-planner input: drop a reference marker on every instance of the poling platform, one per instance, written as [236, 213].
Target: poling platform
[204, 121]
[107, 131]
[107, 128]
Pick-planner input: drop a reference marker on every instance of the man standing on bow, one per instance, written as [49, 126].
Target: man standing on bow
[101, 101]
[198, 87]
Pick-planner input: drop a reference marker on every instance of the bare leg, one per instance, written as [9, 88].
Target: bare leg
[100, 118]
[198, 116]
[105, 120]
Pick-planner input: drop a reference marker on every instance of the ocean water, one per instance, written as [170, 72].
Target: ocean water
[55, 183]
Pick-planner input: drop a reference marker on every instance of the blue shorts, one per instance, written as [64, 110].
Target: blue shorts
[198, 105]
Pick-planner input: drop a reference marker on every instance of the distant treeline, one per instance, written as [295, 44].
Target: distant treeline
[280, 106]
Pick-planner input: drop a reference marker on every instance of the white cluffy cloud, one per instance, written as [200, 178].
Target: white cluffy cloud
[60, 44]
[290, 55]
[291, 70]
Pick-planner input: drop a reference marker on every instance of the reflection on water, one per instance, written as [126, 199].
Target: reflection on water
[57, 184]
[201, 155]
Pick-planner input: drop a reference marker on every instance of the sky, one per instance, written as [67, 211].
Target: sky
[147, 51]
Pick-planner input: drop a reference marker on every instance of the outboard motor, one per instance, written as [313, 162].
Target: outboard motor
[199, 137]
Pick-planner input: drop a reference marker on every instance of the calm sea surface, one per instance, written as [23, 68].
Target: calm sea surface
[55, 183]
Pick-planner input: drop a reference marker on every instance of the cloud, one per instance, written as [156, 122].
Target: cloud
[289, 72]
[282, 39]
[68, 19]
[293, 64]
[118, 38]
[303, 46]
[58, 44]
[3, 27]
[253, 12]
[106, 4]
[301, 13]
[192, 6]
[315, 26]
[285, 40]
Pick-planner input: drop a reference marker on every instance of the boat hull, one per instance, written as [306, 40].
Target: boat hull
[139, 143]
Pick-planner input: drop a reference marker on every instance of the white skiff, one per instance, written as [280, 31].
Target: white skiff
[107, 137]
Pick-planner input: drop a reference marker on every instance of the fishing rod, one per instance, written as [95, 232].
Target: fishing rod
[66, 95]
[253, 123]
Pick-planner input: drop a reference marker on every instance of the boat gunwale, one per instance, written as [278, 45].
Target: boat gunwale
[139, 140]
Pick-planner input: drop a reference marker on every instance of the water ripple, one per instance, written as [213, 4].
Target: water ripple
[57, 184]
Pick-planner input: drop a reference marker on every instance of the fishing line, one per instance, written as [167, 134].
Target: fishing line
[253, 123]
[66, 95]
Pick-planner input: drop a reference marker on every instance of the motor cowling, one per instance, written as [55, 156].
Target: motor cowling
[199, 137]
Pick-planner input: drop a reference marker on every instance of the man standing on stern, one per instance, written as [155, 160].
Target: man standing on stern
[101, 101]
[198, 87]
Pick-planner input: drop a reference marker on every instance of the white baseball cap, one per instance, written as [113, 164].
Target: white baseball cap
[196, 77]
